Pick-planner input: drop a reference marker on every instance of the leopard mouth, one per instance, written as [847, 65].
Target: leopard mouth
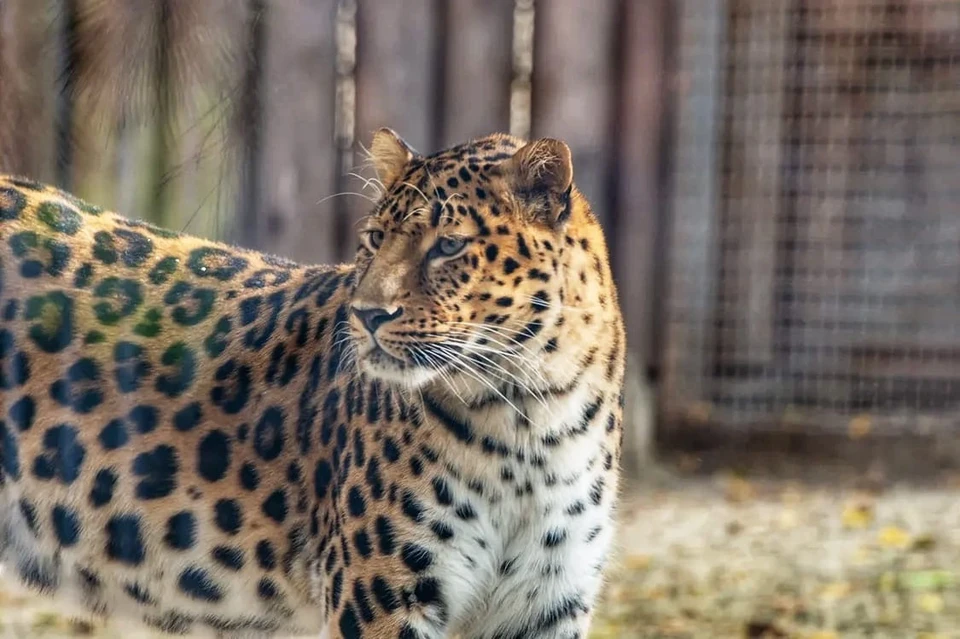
[378, 362]
[381, 359]
[377, 355]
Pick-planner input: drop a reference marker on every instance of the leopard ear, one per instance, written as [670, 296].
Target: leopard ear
[390, 156]
[540, 177]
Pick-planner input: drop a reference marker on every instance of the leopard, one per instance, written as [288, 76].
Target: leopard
[202, 439]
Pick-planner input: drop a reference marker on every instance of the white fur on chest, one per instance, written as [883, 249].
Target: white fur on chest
[539, 534]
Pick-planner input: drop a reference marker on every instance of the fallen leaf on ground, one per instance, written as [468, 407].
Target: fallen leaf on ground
[930, 602]
[45, 621]
[764, 630]
[836, 590]
[857, 515]
[894, 537]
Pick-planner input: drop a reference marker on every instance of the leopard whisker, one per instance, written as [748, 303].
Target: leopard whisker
[499, 331]
[527, 367]
[453, 359]
[414, 211]
[464, 368]
[417, 189]
[494, 368]
[438, 369]
[516, 358]
[368, 182]
[342, 193]
[345, 340]
[488, 367]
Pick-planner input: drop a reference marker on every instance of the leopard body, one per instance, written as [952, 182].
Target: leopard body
[422, 443]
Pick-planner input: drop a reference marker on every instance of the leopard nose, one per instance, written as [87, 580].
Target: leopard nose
[374, 318]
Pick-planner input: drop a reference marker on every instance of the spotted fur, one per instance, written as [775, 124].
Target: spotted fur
[421, 444]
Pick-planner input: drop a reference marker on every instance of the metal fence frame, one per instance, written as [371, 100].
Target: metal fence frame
[701, 336]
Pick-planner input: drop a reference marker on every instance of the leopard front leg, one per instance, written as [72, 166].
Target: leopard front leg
[386, 600]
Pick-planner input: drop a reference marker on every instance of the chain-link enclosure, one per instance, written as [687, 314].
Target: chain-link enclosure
[814, 229]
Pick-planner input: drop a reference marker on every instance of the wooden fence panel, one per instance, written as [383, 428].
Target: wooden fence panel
[477, 69]
[396, 83]
[299, 156]
[574, 88]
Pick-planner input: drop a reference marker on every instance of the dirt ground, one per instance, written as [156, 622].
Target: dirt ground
[728, 557]
[733, 556]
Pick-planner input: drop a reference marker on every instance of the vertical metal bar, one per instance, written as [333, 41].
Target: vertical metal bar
[791, 178]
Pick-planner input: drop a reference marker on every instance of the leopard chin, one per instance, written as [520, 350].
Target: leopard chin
[378, 364]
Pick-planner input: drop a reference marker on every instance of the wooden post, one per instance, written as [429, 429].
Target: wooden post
[164, 96]
[638, 193]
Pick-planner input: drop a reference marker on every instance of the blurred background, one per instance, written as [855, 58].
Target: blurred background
[779, 181]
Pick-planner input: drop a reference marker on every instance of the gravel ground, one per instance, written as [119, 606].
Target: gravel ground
[724, 557]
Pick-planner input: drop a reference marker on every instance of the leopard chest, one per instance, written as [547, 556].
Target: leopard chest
[527, 518]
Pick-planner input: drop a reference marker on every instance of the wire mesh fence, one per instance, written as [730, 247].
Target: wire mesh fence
[815, 217]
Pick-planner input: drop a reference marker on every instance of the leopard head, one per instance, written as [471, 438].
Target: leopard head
[460, 264]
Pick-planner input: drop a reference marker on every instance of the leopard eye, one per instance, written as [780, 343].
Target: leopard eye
[448, 246]
[374, 239]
